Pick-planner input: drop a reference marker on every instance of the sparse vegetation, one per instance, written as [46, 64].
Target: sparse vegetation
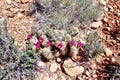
[61, 40]
[94, 45]
[13, 63]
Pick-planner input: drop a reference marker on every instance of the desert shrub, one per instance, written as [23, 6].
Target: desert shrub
[64, 13]
[88, 10]
[93, 45]
[14, 64]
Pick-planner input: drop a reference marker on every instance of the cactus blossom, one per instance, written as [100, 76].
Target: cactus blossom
[41, 39]
[72, 43]
[29, 37]
[37, 45]
[48, 43]
[79, 44]
[59, 45]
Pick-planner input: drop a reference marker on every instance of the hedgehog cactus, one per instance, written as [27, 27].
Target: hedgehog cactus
[57, 41]
[74, 51]
[63, 49]
[33, 39]
[46, 53]
[67, 37]
[29, 37]
[74, 31]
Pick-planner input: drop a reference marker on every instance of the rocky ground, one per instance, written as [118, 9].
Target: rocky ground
[101, 67]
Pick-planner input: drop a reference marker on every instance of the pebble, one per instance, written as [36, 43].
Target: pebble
[63, 78]
[113, 59]
[25, 1]
[20, 15]
[8, 1]
[46, 77]
[108, 52]
[58, 60]
[110, 7]
[1, 3]
[71, 69]
[102, 2]
[94, 75]
[105, 19]
[40, 64]
[95, 25]
[53, 67]
[106, 29]
[87, 73]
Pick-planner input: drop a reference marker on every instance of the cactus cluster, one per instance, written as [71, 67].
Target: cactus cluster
[50, 41]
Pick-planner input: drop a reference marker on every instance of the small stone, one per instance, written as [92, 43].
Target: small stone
[108, 52]
[63, 78]
[102, 2]
[113, 59]
[118, 14]
[58, 60]
[95, 25]
[87, 73]
[105, 19]
[105, 8]
[53, 67]
[46, 77]
[93, 65]
[94, 75]
[25, 1]
[8, 1]
[71, 68]
[40, 64]
[20, 15]
[2, 3]
[106, 29]
[110, 8]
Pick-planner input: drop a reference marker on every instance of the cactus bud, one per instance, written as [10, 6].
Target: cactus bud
[72, 43]
[41, 39]
[48, 43]
[79, 44]
[37, 45]
[59, 45]
[29, 37]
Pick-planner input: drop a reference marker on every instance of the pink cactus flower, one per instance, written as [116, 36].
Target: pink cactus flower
[48, 43]
[29, 37]
[72, 43]
[59, 45]
[37, 45]
[79, 44]
[41, 39]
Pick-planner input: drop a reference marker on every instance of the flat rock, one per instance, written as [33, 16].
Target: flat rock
[71, 68]
[53, 67]
[24, 1]
[8, 1]
[96, 25]
[108, 52]
[103, 2]
[1, 3]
